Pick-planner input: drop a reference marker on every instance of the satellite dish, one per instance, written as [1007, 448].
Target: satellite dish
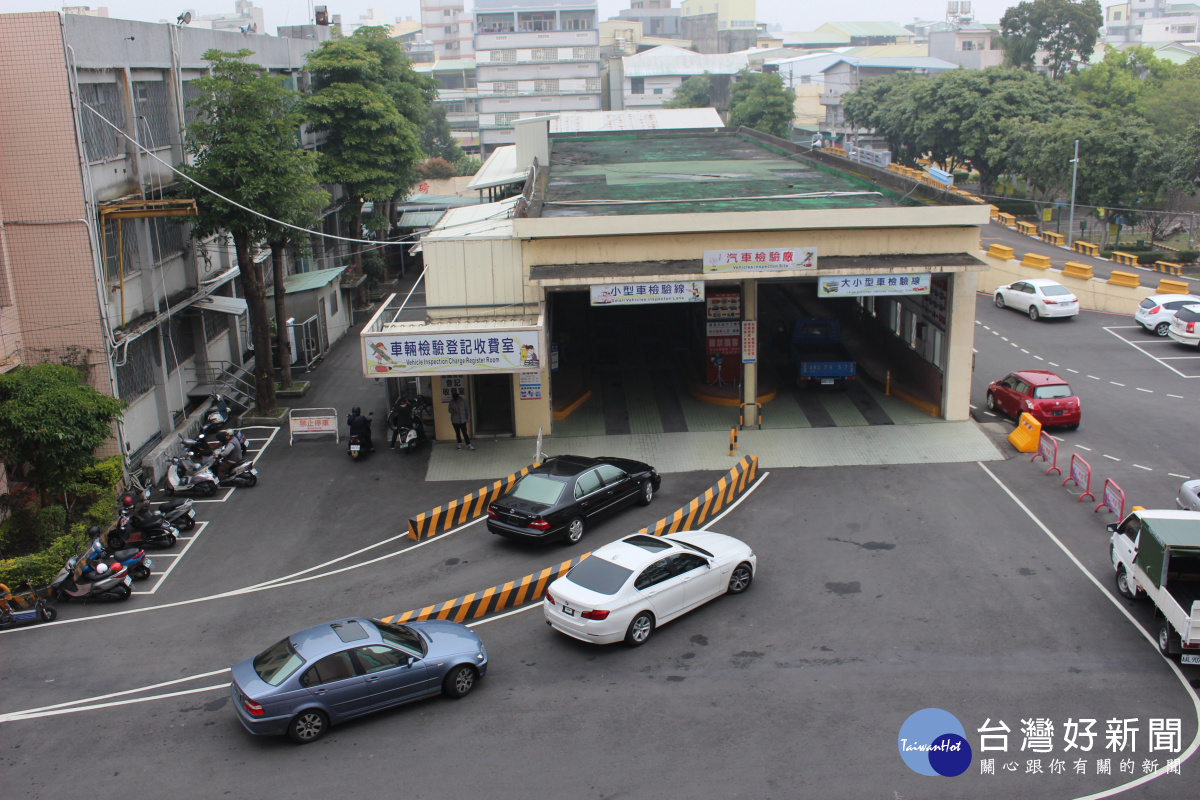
[184, 18]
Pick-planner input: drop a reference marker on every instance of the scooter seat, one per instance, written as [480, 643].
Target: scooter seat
[172, 505]
[126, 554]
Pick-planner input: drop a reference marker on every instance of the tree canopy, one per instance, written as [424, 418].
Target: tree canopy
[437, 140]
[52, 421]
[761, 101]
[695, 92]
[1066, 29]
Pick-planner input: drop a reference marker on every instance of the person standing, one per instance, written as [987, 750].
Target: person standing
[460, 415]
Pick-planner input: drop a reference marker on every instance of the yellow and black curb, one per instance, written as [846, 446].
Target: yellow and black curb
[531, 588]
[460, 511]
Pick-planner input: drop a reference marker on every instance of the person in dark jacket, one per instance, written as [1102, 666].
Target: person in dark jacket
[360, 426]
[460, 416]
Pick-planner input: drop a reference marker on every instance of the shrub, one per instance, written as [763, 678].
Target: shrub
[41, 567]
[467, 166]
[1149, 257]
[1187, 256]
[1018, 208]
[436, 169]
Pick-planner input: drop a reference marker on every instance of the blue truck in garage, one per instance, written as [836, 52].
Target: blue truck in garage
[818, 353]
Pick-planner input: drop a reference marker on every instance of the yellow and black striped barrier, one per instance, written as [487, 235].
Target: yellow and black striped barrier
[428, 524]
[531, 588]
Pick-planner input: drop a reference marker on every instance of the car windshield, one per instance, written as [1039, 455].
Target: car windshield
[1055, 291]
[278, 663]
[691, 546]
[1051, 392]
[537, 489]
[598, 575]
[400, 636]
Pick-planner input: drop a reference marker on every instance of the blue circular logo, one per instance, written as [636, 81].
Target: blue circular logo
[933, 742]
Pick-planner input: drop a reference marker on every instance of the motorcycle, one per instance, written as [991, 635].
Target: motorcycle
[411, 431]
[240, 473]
[151, 531]
[26, 606]
[357, 447]
[207, 443]
[77, 580]
[132, 558]
[218, 411]
[185, 476]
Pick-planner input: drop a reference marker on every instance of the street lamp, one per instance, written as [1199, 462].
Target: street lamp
[1074, 173]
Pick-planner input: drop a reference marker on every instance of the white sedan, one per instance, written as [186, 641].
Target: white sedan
[626, 589]
[1039, 297]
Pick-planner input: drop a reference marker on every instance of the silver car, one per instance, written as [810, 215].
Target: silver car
[1189, 496]
[340, 670]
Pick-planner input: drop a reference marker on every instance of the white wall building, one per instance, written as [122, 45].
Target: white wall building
[447, 25]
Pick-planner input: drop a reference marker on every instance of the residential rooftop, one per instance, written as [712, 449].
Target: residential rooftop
[693, 172]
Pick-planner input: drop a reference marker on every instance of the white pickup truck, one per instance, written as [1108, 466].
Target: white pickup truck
[1157, 553]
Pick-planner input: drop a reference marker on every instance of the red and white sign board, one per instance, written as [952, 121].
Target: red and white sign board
[312, 420]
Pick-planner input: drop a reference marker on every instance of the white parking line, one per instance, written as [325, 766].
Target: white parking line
[1093, 377]
[1023, 350]
[1081, 447]
[1012, 344]
[1139, 466]
[1143, 351]
[1173, 475]
[990, 414]
[1114, 458]
[1039, 358]
[1073, 370]
[200, 526]
[1053, 364]
[1005, 338]
[1176, 396]
[1147, 391]
[1114, 383]
[974, 408]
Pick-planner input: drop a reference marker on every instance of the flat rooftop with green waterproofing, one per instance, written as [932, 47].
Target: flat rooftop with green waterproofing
[695, 173]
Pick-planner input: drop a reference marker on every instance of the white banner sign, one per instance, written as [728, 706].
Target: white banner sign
[864, 285]
[627, 294]
[760, 260]
[452, 352]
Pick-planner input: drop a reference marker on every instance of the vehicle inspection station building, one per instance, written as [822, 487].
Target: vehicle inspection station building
[654, 269]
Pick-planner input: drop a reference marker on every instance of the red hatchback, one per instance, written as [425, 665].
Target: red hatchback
[1041, 393]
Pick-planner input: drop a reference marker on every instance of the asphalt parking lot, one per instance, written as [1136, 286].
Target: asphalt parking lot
[881, 591]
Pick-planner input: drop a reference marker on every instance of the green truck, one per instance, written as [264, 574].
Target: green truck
[1156, 554]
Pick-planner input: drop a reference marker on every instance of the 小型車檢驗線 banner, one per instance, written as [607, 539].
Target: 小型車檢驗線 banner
[631, 294]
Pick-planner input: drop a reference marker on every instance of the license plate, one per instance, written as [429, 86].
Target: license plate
[570, 612]
[354, 448]
[1056, 413]
[253, 471]
[128, 581]
[827, 381]
[1190, 658]
[191, 515]
[148, 563]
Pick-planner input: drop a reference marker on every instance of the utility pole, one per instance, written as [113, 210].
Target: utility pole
[1074, 174]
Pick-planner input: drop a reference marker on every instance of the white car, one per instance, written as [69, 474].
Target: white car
[1039, 297]
[626, 589]
[1185, 327]
[1156, 311]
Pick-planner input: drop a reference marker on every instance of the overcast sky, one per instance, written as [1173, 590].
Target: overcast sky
[794, 15]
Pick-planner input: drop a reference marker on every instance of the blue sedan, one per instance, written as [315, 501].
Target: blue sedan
[330, 673]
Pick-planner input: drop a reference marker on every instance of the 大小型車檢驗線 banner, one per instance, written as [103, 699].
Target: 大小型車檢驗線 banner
[760, 260]
[872, 285]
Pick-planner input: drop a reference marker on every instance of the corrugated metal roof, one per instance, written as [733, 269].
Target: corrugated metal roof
[667, 60]
[303, 281]
[867, 28]
[890, 51]
[420, 219]
[935, 64]
[483, 221]
[500, 168]
[435, 202]
[814, 37]
[649, 119]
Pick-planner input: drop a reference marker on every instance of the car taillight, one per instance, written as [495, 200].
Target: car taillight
[492, 513]
[253, 708]
[594, 615]
[1050, 302]
[540, 525]
[1191, 327]
[1154, 310]
[549, 598]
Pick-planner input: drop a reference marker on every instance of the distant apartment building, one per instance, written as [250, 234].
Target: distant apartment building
[533, 57]
[1151, 22]
[971, 45]
[459, 95]
[86, 11]
[651, 78]
[719, 26]
[448, 27]
[849, 72]
[658, 18]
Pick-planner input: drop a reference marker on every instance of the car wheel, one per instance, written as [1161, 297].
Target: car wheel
[1033, 313]
[999, 301]
[460, 681]
[1161, 328]
[1123, 585]
[646, 494]
[991, 401]
[1164, 638]
[640, 629]
[575, 530]
[308, 726]
[740, 580]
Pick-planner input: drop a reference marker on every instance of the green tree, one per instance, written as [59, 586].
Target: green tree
[1066, 29]
[243, 144]
[1174, 106]
[695, 92]
[761, 101]
[1041, 153]
[1121, 79]
[437, 140]
[372, 106]
[52, 422]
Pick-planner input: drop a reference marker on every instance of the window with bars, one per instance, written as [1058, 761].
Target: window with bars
[545, 54]
[154, 113]
[507, 117]
[593, 85]
[179, 342]
[546, 86]
[166, 238]
[140, 370]
[585, 53]
[504, 56]
[504, 87]
[128, 241]
[99, 139]
[215, 323]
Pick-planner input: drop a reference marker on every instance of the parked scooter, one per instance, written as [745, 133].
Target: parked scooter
[411, 429]
[218, 411]
[178, 512]
[131, 558]
[187, 477]
[157, 533]
[26, 606]
[80, 579]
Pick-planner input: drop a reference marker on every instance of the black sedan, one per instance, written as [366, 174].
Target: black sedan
[562, 496]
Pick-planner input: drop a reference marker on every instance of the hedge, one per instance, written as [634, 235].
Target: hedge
[1018, 208]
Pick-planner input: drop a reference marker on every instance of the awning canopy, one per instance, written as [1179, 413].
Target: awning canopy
[221, 304]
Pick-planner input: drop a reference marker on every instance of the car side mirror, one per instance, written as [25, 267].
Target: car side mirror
[1112, 527]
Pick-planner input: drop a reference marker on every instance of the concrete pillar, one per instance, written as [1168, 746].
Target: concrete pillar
[750, 370]
[960, 344]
